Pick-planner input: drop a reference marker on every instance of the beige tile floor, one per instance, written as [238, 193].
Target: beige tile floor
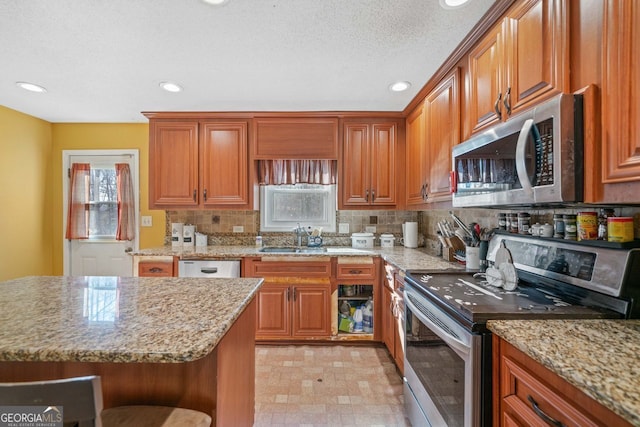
[316, 385]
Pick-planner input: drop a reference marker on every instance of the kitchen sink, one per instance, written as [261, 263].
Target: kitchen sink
[291, 250]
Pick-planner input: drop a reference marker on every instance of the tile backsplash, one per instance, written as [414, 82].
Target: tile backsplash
[219, 224]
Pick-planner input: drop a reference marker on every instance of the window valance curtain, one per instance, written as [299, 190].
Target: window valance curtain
[126, 206]
[276, 172]
[78, 212]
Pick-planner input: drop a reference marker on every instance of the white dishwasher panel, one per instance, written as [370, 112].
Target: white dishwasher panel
[208, 268]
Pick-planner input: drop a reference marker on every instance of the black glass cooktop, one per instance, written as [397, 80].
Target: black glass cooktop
[476, 301]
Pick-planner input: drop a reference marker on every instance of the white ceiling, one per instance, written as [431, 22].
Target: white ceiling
[102, 61]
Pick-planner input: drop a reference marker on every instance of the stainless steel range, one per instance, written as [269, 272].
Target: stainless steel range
[448, 348]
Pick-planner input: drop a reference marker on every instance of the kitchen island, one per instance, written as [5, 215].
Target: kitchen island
[165, 341]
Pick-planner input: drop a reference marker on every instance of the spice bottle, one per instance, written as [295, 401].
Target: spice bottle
[502, 221]
[524, 221]
[570, 227]
[605, 213]
[558, 226]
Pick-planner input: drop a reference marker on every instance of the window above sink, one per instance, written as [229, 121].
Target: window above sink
[283, 207]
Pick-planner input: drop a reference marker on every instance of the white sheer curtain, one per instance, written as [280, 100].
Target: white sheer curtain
[276, 172]
[78, 212]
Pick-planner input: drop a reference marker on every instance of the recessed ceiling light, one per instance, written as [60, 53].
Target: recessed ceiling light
[170, 87]
[452, 4]
[215, 2]
[31, 87]
[399, 86]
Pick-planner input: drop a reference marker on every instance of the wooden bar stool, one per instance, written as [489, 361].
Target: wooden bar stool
[81, 402]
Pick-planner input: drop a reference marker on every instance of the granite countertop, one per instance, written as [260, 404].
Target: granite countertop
[118, 319]
[599, 357]
[401, 257]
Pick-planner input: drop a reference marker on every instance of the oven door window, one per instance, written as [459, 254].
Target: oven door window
[440, 370]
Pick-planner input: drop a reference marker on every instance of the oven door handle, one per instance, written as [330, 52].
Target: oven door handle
[448, 339]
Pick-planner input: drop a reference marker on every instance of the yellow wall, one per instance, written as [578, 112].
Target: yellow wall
[103, 136]
[25, 195]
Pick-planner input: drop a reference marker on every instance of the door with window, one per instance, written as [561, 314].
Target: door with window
[100, 249]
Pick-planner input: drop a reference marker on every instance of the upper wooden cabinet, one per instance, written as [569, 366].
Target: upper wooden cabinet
[621, 92]
[433, 128]
[224, 164]
[368, 175]
[442, 115]
[416, 158]
[198, 164]
[295, 138]
[521, 61]
[173, 164]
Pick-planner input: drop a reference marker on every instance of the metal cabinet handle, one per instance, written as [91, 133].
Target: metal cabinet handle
[366, 195]
[426, 191]
[195, 193]
[373, 195]
[205, 194]
[210, 270]
[496, 106]
[542, 415]
[288, 299]
[507, 101]
[355, 271]
[294, 293]
[155, 270]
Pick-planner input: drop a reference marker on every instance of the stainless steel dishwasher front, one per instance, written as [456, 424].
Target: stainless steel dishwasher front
[208, 268]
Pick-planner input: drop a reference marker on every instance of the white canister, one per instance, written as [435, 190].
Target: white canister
[386, 240]
[201, 239]
[177, 229]
[189, 235]
[362, 240]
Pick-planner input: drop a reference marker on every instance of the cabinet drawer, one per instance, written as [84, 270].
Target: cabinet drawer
[288, 269]
[155, 269]
[356, 271]
[530, 400]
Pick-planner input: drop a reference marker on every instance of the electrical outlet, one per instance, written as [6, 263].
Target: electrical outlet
[370, 229]
[147, 221]
[238, 229]
[343, 228]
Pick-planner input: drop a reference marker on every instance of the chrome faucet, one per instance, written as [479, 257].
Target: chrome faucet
[300, 232]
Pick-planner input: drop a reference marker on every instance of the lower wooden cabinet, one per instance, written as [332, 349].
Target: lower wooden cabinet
[393, 316]
[294, 303]
[155, 266]
[293, 311]
[528, 394]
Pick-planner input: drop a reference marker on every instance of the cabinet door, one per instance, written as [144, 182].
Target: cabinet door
[224, 164]
[273, 318]
[621, 92]
[383, 164]
[416, 158]
[173, 164]
[442, 133]
[355, 165]
[537, 52]
[312, 310]
[485, 96]
[388, 321]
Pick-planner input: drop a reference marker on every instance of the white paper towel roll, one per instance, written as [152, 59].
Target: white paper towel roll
[177, 228]
[410, 234]
[189, 235]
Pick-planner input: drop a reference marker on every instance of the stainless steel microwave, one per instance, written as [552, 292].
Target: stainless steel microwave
[535, 158]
